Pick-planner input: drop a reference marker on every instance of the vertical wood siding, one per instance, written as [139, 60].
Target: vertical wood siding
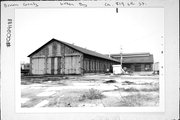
[72, 65]
[63, 59]
[54, 48]
[57, 58]
[31, 65]
[58, 49]
[34, 66]
[52, 65]
[50, 50]
[55, 65]
[96, 65]
[59, 66]
[48, 66]
[41, 63]
[38, 66]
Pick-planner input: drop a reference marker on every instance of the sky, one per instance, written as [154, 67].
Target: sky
[99, 29]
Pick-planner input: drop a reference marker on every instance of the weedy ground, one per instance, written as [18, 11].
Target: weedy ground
[91, 90]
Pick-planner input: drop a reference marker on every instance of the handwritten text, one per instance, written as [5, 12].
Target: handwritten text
[8, 34]
[30, 4]
[66, 4]
[11, 5]
[82, 4]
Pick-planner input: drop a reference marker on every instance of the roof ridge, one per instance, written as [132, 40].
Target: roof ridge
[84, 51]
[78, 48]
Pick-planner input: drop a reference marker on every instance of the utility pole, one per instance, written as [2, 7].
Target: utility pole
[121, 56]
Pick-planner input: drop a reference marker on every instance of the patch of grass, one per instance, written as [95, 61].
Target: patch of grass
[54, 102]
[110, 81]
[91, 94]
[133, 83]
[67, 101]
[53, 79]
[128, 83]
[137, 100]
[130, 89]
[145, 83]
[26, 82]
[74, 98]
[153, 89]
[66, 98]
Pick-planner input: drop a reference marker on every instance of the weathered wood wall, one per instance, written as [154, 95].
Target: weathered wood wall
[139, 66]
[96, 65]
[56, 58]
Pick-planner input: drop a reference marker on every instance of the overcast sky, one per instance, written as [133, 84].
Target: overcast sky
[98, 29]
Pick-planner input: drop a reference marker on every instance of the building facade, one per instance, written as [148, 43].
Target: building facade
[59, 58]
[136, 61]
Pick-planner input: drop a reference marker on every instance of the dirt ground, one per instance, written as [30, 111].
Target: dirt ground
[91, 90]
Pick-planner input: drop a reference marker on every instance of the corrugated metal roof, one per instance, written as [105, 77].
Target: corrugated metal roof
[132, 54]
[135, 58]
[80, 49]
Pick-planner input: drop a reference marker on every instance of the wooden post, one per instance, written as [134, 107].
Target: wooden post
[30, 66]
[121, 56]
[116, 10]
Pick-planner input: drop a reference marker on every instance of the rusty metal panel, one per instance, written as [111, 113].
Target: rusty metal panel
[49, 66]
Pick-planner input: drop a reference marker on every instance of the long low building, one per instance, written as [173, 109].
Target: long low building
[136, 61]
[58, 57]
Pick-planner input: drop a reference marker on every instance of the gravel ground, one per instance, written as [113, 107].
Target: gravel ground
[94, 90]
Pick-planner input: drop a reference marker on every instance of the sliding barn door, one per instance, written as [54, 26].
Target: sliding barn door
[38, 66]
[72, 65]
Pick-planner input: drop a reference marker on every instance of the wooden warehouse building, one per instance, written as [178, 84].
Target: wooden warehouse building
[136, 61]
[58, 57]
